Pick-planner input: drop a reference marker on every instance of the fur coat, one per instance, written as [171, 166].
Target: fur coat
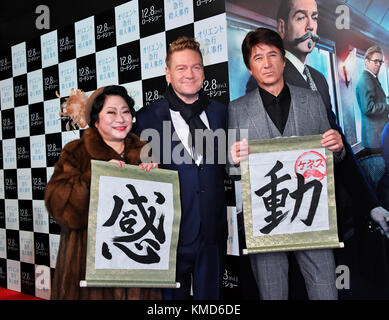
[67, 200]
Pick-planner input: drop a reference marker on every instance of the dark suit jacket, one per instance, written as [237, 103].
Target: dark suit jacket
[374, 109]
[203, 205]
[353, 192]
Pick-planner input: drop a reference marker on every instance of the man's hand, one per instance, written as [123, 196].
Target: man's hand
[332, 140]
[239, 151]
[381, 216]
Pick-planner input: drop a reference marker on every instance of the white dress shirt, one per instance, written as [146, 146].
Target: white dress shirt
[182, 129]
[296, 62]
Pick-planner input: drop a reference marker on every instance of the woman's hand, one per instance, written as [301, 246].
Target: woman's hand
[118, 162]
[148, 166]
[145, 166]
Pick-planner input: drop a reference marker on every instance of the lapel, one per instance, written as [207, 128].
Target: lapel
[212, 118]
[300, 111]
[163, 111]
[377, 83]
[163, 114]
[380, 87]
[257, 116]
[292, 76]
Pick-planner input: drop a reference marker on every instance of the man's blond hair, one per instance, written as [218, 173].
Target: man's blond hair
[180, 44]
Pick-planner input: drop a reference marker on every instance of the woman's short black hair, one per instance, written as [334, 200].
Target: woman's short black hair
[260, 35]
[100, 100]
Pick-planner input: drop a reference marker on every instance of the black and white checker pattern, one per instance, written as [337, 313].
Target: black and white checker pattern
[125, 45]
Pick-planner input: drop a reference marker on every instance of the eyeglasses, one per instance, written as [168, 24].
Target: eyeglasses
[376, 61]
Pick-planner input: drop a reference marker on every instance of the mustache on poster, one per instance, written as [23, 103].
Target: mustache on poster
[309, 35]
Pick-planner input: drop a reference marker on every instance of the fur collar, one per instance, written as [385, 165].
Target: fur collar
[99, 150]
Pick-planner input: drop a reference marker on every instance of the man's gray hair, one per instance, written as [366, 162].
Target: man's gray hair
[372, 50]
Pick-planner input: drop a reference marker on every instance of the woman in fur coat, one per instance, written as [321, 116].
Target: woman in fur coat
[109, 112]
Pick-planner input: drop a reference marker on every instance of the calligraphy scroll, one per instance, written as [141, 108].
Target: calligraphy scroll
[288, 195]
[133, 227]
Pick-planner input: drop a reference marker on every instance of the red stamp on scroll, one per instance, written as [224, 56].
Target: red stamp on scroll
[311, 165]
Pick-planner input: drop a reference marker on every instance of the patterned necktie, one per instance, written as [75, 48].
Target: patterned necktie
[309, 78]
